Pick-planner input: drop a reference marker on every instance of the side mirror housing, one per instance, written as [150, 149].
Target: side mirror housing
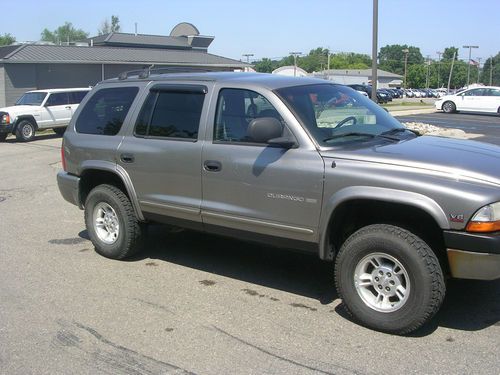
[263, 129]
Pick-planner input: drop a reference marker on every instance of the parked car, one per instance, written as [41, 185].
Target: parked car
[284, 161]
[482, 99]
[38, 110]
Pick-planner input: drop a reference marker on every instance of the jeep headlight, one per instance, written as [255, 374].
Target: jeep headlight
[486, 219]
[4, 118]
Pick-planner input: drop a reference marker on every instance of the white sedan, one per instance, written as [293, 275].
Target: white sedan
[480, 99]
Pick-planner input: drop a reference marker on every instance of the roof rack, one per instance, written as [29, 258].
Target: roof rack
[146, 72]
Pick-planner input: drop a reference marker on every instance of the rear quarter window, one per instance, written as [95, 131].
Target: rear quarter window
[106, 110]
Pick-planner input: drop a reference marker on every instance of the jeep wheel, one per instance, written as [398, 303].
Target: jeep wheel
[25, 131]
[449, 107]
[59, 131]
[389, 279]
[3, 137]
[111, 222]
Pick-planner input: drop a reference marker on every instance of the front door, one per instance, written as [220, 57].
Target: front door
[256, 187]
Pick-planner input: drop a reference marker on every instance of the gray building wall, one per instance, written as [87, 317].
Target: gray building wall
[53, 76]
[2, 86]
[19, 78]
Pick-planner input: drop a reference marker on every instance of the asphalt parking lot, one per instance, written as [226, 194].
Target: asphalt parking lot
[486, 124]
[195, 303]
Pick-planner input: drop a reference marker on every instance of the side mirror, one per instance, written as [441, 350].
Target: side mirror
[263, 129]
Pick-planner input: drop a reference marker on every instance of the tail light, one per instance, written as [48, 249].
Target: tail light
[63, 158]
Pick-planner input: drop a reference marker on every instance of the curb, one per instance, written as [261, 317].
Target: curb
[408, 112]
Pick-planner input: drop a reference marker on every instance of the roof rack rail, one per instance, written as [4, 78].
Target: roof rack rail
[146, 72]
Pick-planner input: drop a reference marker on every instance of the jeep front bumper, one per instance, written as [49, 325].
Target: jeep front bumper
[6, 128]
[473, 256]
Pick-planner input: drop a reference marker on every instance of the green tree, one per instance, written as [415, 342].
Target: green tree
[110, 27]
[448, 53]
[265, 65]
[64, 34]
[392, 58]
[495, 72]
[416, 75]
[6, 39]
[316, 60]
[350, 61]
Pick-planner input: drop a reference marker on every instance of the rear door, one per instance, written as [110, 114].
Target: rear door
[162, 153]
[492, 100]
[56, 111]
[255, 187]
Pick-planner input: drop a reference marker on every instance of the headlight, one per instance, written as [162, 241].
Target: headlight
[5, 118]
[486, 219]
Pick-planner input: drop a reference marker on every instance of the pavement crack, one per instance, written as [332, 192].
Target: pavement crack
[155, 305]
[262, 350]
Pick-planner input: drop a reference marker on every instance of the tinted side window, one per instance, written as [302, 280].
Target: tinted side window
[236, 108]
[60, 98]
[75, 97]
[106, 110]
[171, 114]
[493, 92]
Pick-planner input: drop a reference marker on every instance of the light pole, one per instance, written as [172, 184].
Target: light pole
[478, 67]
[406, 51]
[248, 55]
[428, 70]
[491, 69]
[374, 51]
[439, 68]
[295, 54]
[468, 65]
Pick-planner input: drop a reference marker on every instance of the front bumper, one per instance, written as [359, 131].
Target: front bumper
[69, 187]
[6, 128]
[473, 256]
[438, 104]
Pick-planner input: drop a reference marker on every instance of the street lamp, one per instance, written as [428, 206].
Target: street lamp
[374, 51]
[405, 51]
[295, 54]
[478, 67]
[468, 65]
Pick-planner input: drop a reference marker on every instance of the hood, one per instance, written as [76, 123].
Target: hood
[18, 109]
[458, 158]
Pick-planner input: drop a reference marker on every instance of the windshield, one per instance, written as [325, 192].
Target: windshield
[32, 98]
[334, 114]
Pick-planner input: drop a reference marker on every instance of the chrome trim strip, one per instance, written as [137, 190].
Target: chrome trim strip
[261, 223]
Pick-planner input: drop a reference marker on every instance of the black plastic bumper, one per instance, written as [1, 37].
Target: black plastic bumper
[6, 128]
[69, 187]
[473, 242]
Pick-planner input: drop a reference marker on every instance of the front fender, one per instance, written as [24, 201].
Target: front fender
[379, 194]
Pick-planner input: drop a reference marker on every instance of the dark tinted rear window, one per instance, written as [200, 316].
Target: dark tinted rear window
[106, 110]
[75, 97]
[59, 98]
[171, 115]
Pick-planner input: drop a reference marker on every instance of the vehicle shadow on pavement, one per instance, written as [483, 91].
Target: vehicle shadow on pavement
[469, 305]
[293, 272]
[38, 137]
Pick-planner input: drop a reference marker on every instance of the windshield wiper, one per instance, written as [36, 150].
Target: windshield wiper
[350, 134]
[397, 130]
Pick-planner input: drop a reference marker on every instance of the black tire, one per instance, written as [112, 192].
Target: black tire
[59, 131]
[25, 131]
[3, 137]
[449, 107]
[425, 287]
[129, 237]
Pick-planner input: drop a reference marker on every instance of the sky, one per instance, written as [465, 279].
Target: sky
[273, 28]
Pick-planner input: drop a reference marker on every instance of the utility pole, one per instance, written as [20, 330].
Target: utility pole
[406, 51]
[468, 65]
[451, 70]
[439, 68]
[248, 55]
[478, 67]
[328, 62]
[491, 69]
[428, 69]
[295, 54]
[374, 51]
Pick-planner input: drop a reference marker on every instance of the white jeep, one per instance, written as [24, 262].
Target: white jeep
[40, 109]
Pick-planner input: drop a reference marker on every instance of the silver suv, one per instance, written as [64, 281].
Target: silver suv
[298, 163]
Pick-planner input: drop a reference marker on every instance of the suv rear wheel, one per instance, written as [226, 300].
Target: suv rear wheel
[25, 131]
[389, 279]
[111, 222]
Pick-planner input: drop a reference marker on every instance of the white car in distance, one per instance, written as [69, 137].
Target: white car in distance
[40, 109]
[479, 99]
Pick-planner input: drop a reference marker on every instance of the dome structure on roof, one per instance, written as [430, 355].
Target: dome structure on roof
[184, 29]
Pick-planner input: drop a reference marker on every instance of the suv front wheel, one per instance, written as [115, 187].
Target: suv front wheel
[111, 222]
[389, 279]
